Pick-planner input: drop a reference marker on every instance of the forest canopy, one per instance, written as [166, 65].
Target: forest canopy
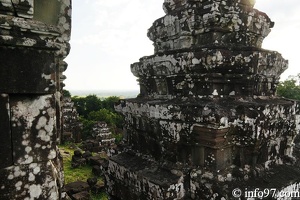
[92, 109]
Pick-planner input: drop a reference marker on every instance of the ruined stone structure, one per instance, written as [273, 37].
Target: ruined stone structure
[102, 141]
[34, 37]
[103, 134]
[71, 124]
[207, 119]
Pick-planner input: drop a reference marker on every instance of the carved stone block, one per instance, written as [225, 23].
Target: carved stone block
[27, 71]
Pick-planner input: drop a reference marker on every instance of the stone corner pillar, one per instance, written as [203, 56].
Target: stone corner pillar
[34, 40]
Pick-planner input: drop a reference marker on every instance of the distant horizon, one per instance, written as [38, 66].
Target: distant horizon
[105, 92]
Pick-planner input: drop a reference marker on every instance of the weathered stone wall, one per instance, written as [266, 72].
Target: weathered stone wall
[186, 132]
[207, 111]
[33, 44]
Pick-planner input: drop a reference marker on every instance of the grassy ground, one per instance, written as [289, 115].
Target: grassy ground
[77, 174]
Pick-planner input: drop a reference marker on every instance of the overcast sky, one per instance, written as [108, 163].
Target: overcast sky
[109, 35]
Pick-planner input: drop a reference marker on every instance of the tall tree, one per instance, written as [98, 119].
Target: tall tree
[109, 102]
[289, 88]
[87, 104]
[66, 93]
[80, 105]
[93, 103]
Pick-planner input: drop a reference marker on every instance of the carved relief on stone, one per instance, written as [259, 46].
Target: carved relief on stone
[17, 8]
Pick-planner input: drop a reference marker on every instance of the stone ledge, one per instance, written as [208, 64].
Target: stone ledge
[175, 5]
[278, 177]
[203, 60]
[142, 178]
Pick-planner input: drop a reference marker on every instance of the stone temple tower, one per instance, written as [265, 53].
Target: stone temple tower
[207, 119]
[34, 40]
